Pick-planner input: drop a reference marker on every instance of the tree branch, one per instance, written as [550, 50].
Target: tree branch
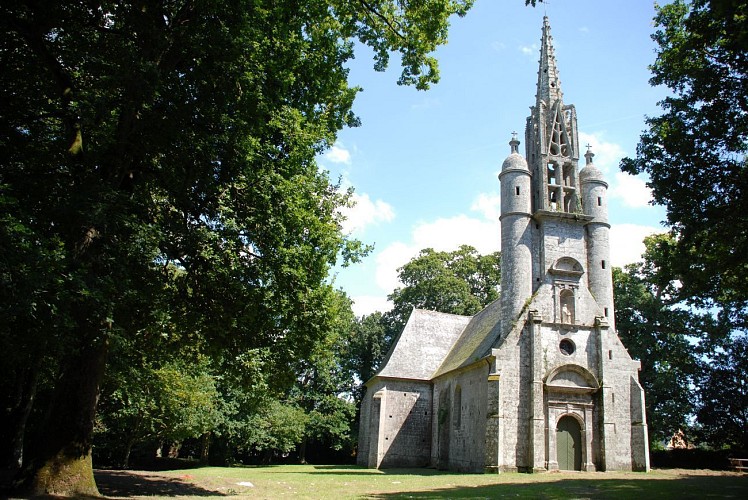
[62, 78]
[370, 9]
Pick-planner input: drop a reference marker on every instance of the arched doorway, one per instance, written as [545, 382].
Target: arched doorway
[569, 444]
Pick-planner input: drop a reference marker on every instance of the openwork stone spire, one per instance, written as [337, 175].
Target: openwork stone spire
[551, 138]
[549, 84]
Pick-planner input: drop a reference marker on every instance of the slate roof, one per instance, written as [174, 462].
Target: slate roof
[423, 344]
[475, 341]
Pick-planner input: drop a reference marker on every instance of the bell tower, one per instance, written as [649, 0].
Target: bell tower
[556, 274]
[552, 152]
[551, 142]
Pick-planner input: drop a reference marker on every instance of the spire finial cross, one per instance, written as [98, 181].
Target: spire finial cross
[589, 146]
[514, 136]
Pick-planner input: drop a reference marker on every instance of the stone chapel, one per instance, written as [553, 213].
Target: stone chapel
[539, 379]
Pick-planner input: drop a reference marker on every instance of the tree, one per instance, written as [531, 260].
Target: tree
[723, 413]
[673, 341]
[658, 336]
[458, 282]
[695, 152]
[277, 429]
[167, 404]
[324, 385]
[159, 179]
[369, 342]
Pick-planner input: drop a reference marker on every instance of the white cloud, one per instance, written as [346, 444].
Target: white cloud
[338, 154]
[445, 234]
[448, 234]
[631, 190]
[607, 154]
[367, 304]
[498, 46]
[531, 51]
[365, 212]
[488, 204]
[388, 260]
[627, 242]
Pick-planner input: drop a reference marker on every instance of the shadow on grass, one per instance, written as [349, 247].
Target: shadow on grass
[123, 484]
[682, 487]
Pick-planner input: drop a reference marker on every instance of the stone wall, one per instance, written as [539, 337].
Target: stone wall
[512, 420]
[396, 424]
[464, 413]
[365, 430]
[624, 422]
[604, 397]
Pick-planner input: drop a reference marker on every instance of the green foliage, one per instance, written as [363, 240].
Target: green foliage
[331, 422]
[187, 400]
[369, 342]
[325, 382]
[279, 428]
[458, 282]
[659, 337]
[695, 156]
[414, 29]
[159, 188]
[695, 151]
[672, 341]
[723, 414]
[147, 404]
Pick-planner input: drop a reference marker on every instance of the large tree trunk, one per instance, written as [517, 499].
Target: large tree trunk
[62, 464]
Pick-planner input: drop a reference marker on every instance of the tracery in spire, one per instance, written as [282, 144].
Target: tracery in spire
[559, 140]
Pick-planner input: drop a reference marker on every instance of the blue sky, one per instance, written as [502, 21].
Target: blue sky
[425, 164]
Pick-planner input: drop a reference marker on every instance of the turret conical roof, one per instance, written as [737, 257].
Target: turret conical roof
[590, 172]
[514, 160]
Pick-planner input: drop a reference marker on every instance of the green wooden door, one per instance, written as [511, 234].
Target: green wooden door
[569, 444]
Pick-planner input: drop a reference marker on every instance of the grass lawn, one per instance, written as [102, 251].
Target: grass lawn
[340, 482]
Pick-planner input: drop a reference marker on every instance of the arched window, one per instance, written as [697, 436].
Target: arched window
[567, 307]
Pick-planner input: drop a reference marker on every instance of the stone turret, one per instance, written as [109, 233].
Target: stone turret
[595, 205]
[516, 237]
